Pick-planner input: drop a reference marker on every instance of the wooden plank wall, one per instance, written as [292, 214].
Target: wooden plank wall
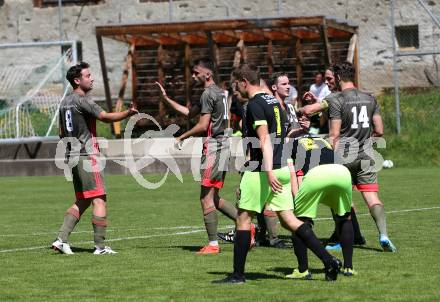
[281, 55]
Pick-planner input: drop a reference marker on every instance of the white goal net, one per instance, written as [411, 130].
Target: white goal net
[31, 91]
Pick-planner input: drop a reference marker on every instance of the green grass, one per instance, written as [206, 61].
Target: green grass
[160, 265]
[419, 140]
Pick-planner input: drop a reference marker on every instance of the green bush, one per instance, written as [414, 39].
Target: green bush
[419, 141]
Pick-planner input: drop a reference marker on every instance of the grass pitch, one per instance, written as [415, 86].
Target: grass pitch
[156, 233]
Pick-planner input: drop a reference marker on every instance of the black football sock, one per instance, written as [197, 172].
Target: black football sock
[312, 242]
[346, 230]
[241, 249]
[356, 228]
[300, 250]
[262, 227]
[334, 237]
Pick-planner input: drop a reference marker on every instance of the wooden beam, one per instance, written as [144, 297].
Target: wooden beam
[339, 34]
[134, 79]
[249, 36]
[188, 73]
[356, 66]
[108, 97]
[304, 34]
[326, 43]
[277, 35]
[213, 53]
[194, 39]
[120, 101]
[188, 79]
[143, 41]
[299, 70]
[225, 37]
[269, 58]
[249, 24]
[341, 26]
[352, 48]
[166, 40]
[161, 77]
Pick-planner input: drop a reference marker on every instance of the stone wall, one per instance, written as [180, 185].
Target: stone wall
[20, 21]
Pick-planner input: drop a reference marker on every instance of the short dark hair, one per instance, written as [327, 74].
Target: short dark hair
[74, 72]
[207, 63]
[319, 72]
[249, 72]
[345, 71]
[273, 80]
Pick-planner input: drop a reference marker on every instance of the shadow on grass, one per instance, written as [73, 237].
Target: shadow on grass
[191, 248]
[249, 276]
[82, 250]
[74, 249]
[368, 248]
[288, 270]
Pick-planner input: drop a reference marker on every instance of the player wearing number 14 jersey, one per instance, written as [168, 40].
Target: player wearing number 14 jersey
[354, 119]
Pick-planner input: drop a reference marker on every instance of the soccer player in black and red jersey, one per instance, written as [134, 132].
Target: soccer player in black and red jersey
[354, 119]
[322, 106]
[213, 121]
[77, 116]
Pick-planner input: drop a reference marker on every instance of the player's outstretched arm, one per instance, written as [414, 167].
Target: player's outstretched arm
[377, 126]
[176, 106]
[313, 108]
[110, 117]
[266, 149]
[201, 127]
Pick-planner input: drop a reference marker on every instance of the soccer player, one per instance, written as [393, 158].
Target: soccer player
[322, 106]
[356, 115]
[77, 116]
[268, 179]
[213, 121]
[280, 87]
[323, 183]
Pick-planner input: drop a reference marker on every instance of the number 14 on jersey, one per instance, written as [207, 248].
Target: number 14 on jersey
[362, 118]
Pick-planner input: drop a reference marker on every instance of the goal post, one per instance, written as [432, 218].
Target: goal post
[32, 88]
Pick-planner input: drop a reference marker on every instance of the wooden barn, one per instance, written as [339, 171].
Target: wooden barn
[164, 52]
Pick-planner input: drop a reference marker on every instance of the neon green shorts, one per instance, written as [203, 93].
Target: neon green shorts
[326, 184]
[255, 191]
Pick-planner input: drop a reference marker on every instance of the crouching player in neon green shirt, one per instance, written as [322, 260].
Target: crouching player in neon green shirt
[327, 183]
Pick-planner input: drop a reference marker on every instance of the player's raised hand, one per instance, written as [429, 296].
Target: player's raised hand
[133, 108]
[309, 97]
[162, 90]
[274, 183]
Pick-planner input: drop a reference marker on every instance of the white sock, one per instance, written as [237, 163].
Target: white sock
[213, 243]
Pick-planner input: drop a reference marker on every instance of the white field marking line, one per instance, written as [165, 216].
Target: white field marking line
[190, 232]
[196, 227]
[109, 230]
[109, 240]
